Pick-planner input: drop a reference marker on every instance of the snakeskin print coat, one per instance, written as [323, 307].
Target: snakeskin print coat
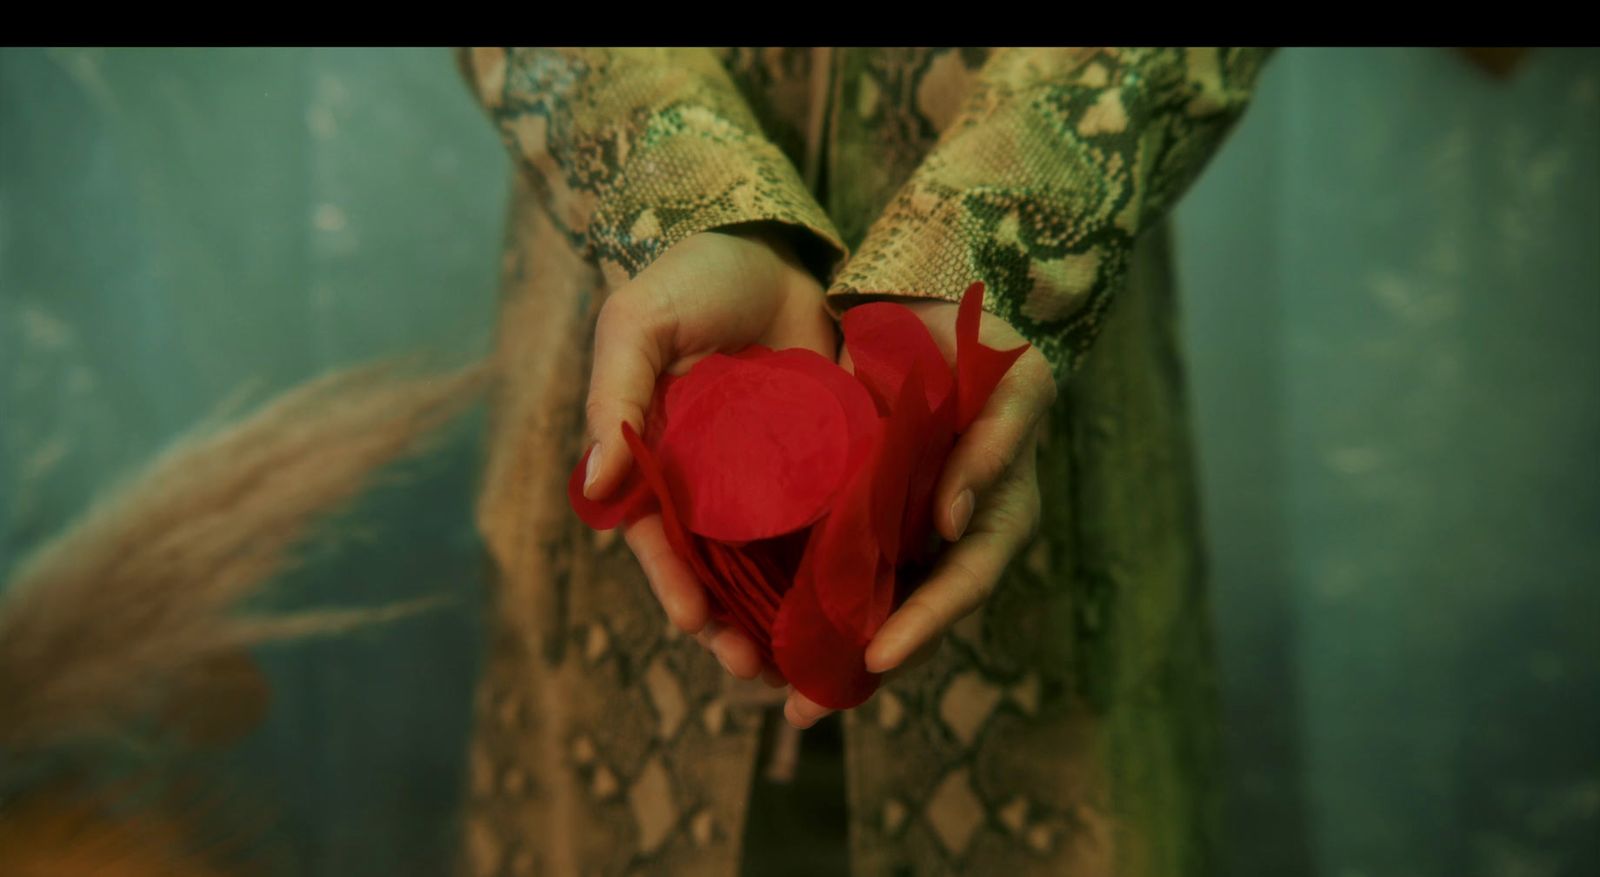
[1065, 728]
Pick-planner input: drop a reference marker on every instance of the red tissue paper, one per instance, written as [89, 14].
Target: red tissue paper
[800, 495]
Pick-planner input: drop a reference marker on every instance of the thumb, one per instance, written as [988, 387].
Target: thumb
[993, 442]
[629, 354]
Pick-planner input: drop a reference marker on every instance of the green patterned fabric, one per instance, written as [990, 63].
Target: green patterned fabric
[633, 150]
[1055, 164]
[1034, 170]
[1068, 725]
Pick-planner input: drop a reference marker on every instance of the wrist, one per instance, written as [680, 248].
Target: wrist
[797, 246]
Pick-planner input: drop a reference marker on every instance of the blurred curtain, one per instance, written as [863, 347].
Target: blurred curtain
[1392, 283]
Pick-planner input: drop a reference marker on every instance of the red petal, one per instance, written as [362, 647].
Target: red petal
[916, 536]
[756, 452]
[748, 606]
[905, 431]
[625, 504]
[649, 468]
[887, 342]
[860, 414]
[690, 550]
[819, 660]
[778, 558]
[978, 368]
[841, 563]
[761, 590]
[676, 391]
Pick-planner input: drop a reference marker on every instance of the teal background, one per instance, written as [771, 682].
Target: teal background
[1391, 283]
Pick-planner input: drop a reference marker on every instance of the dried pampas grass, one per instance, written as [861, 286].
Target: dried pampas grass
[105, 622]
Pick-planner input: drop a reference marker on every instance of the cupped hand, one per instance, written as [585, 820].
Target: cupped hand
[986, 505]
[711, 292]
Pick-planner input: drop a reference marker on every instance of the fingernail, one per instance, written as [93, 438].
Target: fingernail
[593, 471]
[797, 718]
[673, 604]
[887, 649]
[960, 510]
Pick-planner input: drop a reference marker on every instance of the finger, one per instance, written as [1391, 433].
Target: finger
[802, 711]
[964, 578]
[628, 356]
[922, 655]
[1002, 432]
[732, 649]
[675, 587]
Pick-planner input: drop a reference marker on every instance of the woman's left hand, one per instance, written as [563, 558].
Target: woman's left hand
[986, 504]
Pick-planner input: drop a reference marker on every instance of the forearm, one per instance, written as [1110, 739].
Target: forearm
[1058, 160]
[633, 150]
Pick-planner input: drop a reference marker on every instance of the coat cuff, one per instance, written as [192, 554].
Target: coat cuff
[692, 175]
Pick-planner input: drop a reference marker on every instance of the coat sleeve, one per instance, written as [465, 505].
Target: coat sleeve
[1057, 161]
[631, 150]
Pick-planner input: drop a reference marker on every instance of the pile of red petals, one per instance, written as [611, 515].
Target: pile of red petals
[801, 495]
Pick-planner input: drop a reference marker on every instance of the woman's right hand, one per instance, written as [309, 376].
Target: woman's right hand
[712, 292]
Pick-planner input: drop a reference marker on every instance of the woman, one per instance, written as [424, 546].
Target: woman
[673, 202]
